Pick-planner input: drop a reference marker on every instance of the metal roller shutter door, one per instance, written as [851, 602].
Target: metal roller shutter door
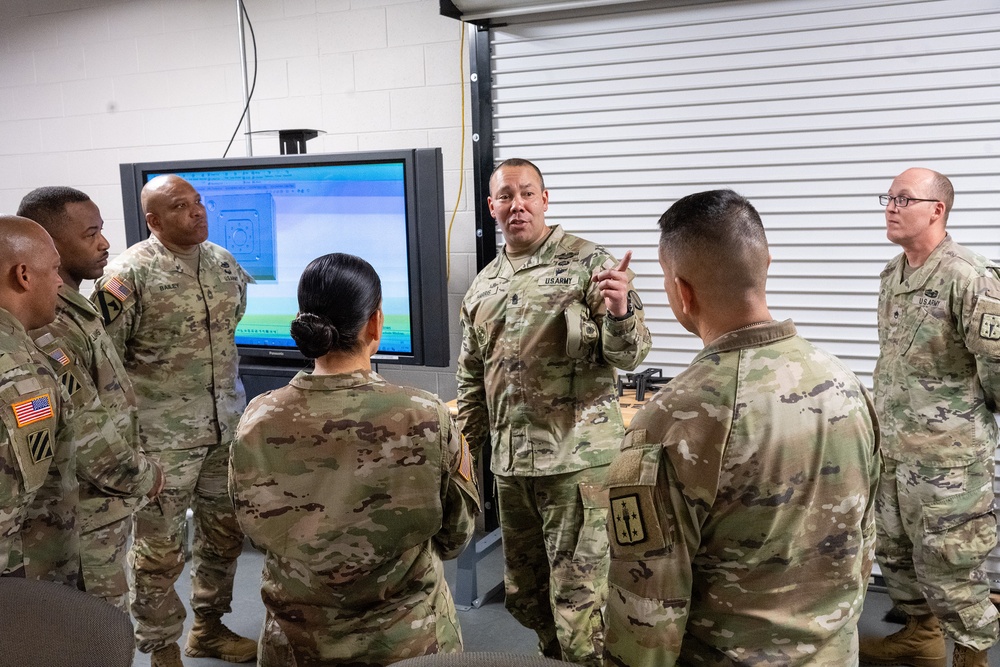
[807, 107]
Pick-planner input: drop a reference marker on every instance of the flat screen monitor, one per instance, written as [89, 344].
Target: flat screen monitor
[277, 214]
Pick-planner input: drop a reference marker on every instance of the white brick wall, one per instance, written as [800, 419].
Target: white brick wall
[88, 84]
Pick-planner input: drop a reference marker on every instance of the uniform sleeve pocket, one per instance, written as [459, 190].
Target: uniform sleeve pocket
[983, 334]
[643, 632]
[592, 541]
[582, 334]
[634, 525]
[961, 530]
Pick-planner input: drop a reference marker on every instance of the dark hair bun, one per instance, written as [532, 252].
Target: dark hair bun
[314, 334]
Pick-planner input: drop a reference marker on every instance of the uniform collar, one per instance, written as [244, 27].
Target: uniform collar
[921, 275]
[11, 325]
[757, 336]
[77, 301]
[306, 380]
[543, 255]
[169, 260]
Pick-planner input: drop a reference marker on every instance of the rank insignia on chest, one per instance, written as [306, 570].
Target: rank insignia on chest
[40, 445]
[989, 327]
[32, 410]
[629, 525]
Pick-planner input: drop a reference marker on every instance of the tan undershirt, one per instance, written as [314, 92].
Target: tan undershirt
[518, 259]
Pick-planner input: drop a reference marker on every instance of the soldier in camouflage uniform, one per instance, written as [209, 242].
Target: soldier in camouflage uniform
[543, 327]
[113, 474]
[937, 383]
[355, 488]
[171, 303]
[37, 476]
[742, 502]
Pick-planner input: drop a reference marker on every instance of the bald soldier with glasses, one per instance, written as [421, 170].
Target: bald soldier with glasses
[937, 381]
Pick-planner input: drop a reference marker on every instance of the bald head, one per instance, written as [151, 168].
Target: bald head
[932, 185]
[174, 212]
[715, 241]
[29, 271]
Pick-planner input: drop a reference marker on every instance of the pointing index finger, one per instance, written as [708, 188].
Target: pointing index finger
[623, 265]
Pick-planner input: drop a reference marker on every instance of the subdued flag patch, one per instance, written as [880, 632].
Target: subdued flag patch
[60, 356]
[32, 410]
[117, 288]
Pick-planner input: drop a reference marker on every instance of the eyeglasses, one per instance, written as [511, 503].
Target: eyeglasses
[902, 201]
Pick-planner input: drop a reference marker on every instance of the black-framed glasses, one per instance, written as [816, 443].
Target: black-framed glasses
[902, 201]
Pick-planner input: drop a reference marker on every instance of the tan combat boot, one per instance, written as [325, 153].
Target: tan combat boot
[969, 657]
[919, 644]
[168, 656]
[209, 638]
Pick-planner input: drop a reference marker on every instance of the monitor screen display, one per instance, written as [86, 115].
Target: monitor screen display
[275, 220]
[275, 215]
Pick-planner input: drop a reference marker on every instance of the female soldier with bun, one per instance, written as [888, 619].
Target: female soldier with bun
[354, 488]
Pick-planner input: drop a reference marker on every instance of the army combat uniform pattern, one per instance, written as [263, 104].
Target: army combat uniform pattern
[113, 474]
[356, 489]
[38, 489]
[175, 329]
[937, 382]
[742, 510]
[536, 380]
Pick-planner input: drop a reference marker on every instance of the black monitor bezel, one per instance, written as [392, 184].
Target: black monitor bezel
[424, 191]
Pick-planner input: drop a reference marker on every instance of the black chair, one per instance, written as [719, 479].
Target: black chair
[44, 624]
[480, 660]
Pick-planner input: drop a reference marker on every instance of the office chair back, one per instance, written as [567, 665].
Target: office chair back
[44, 624]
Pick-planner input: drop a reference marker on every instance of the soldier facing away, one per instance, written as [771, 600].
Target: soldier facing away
[543, 327]
[742, 500]
[355, 488]
[114, 475]
[171, 304]
[937, 383]
[38, 488]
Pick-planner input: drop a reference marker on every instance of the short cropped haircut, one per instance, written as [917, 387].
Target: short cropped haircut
[718, 230]
[47, 205]
[518, 162]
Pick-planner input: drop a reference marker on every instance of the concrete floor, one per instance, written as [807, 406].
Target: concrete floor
[488, 628]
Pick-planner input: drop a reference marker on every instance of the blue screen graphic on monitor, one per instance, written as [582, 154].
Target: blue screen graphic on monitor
[276, 220]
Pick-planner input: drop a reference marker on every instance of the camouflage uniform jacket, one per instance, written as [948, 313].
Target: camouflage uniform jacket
[356, 489]
[37, 480]
[113, 472]
[741, 525]
[175, 332]
[536, 371]
[937, 379]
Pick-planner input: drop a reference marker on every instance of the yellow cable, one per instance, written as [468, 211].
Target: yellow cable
[461, 153]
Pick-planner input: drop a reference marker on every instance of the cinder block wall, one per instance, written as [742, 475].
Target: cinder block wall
[88, 84]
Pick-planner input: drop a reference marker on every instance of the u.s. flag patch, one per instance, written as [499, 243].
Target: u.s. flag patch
[117, 288]
[32, 410]
[60, 356]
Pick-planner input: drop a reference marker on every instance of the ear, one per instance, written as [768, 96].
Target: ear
[374, 326]
[152, 222]
[545, 200]
[689, 300]
[489, 203]
[20, 277]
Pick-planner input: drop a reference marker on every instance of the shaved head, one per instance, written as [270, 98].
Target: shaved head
[29, 271]
[174, 212]
[715, 240]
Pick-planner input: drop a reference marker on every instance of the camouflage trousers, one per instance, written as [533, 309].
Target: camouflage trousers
[102, 555]
[195, 478]
[936, 526]
[555, 544]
